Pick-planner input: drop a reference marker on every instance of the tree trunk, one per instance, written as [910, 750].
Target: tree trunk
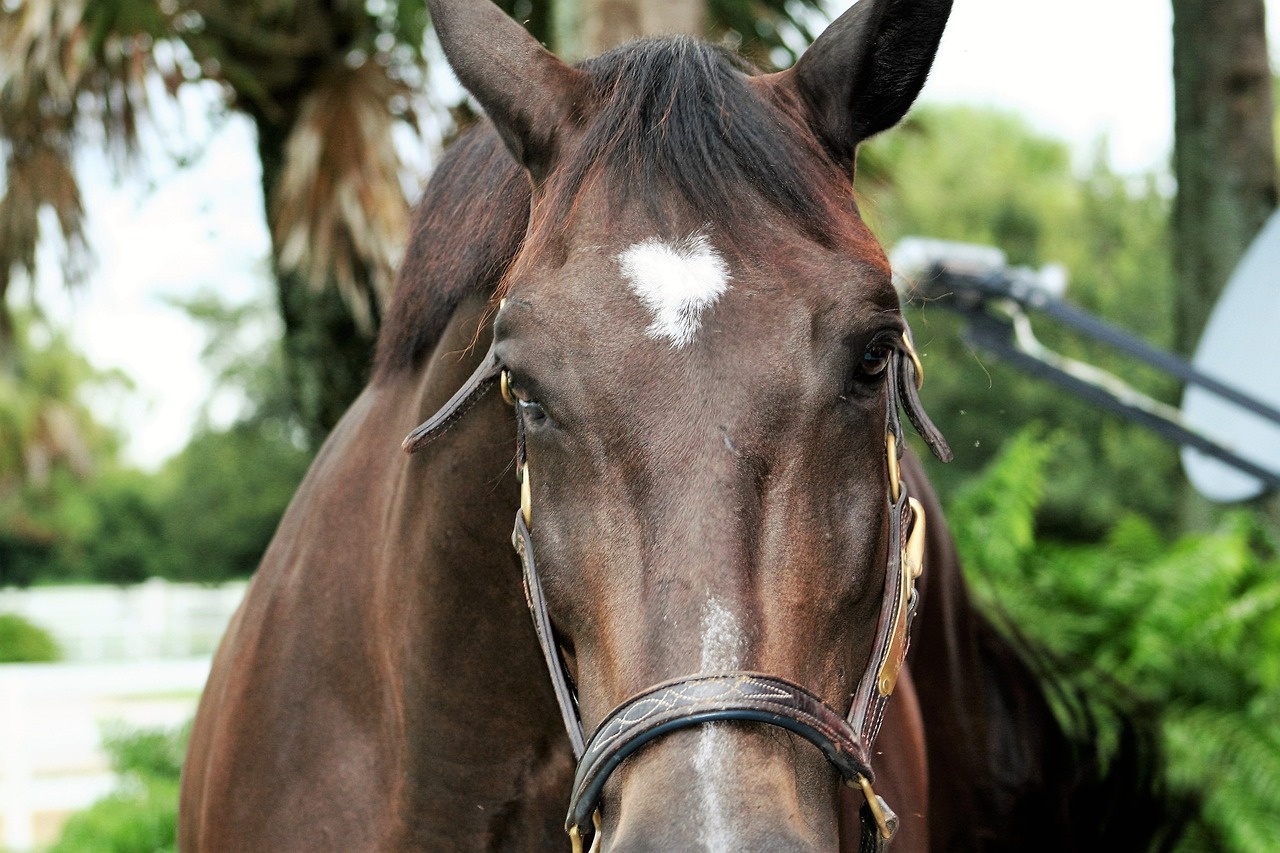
[1224, 154]
[326, 357]
[586, 28]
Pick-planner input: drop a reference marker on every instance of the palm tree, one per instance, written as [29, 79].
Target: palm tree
[326, 83]
[47, 438]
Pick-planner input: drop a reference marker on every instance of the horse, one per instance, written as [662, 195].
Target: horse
[656, 256]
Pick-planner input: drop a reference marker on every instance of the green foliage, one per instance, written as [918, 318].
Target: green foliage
[126, 545]
[983, 176]
[23, 642]
[49, 446]
[1191, 629]
[226, 492]
[141, 815]
[767, 31]
[223, 495]
[148, 754]
[206, 516]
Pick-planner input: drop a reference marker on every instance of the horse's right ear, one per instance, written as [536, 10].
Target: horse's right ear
[530, 95]
[863, 73]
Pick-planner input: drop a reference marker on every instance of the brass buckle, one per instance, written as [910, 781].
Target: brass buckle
[912, 565]
[886, 820]
[504, 384]
[575, 835]
[913, 554]
[504, 378]
[895, 475]
[910, 350]
[526, 496]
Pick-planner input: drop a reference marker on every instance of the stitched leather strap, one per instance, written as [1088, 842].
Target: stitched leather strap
[910, 399]
[866, 713]
[692, 701]
[480, 381]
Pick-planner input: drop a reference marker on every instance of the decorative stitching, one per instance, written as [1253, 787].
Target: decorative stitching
[690, 696]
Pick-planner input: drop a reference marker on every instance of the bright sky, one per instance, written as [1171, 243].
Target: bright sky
[1080, 70]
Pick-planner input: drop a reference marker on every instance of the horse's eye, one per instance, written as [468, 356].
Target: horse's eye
[874, 361]
[532, 412]
[517, 393]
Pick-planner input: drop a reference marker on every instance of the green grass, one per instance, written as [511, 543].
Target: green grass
[24, 642]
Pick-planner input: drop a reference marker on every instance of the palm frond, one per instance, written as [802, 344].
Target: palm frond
[43, 424]
[61, 60]
[42, 51]
[339, 211]
[39, 175]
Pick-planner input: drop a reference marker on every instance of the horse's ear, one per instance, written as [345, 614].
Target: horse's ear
[530, 95]
[863, 73]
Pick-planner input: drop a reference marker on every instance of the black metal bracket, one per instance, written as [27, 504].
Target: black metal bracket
[977, 298]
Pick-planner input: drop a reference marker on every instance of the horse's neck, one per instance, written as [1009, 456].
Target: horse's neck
[479, 720]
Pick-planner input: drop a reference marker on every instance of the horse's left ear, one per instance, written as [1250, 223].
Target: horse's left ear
[530, 96]
[863, 73]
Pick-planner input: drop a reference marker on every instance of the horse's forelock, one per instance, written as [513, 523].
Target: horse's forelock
[672, 120]
[676, 119]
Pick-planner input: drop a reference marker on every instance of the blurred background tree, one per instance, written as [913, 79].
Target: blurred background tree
[72, 510]
[325, 84]
[224, 493]
[984, 176]
[1224, 148]
[328, 88]
[50, 445]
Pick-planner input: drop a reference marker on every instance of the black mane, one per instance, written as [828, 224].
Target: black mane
[466, 230]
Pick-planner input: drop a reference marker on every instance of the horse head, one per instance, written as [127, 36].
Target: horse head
[707, 358]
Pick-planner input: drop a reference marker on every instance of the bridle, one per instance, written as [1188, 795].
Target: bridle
[846, 740]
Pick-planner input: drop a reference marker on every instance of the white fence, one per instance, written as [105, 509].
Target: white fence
[151, 620]
[51, 721]
[137, 656]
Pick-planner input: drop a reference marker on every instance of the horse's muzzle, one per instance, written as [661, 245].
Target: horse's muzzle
[723, 787]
